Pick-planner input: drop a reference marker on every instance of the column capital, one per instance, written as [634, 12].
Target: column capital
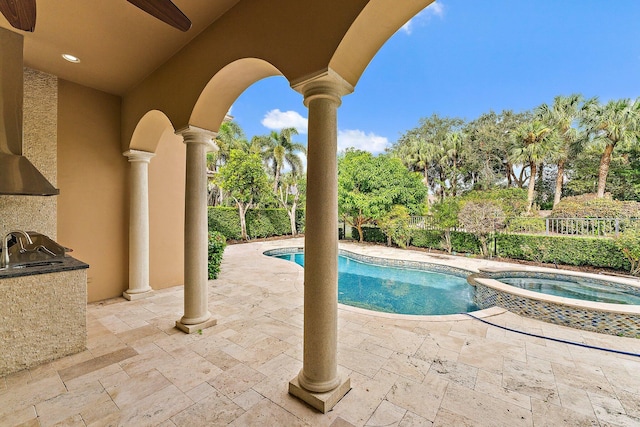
[196, 135]
[138, 156]
[324, 84]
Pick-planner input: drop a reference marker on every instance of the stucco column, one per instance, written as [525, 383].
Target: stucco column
[196, 312]
[138, 225]
[319, 382]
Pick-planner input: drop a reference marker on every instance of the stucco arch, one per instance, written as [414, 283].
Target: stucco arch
[371, 29]
[149, 131]
[299, 39]
[225, 87]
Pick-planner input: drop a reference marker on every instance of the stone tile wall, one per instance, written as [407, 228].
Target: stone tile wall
[40, 142]
[43, 318]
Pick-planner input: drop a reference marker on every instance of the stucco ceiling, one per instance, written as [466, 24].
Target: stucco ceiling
[117, 43]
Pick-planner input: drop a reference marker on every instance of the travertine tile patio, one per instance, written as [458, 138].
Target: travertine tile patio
[405, 371]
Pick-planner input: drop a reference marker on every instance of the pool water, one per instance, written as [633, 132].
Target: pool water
[398, 290]
[576, 289]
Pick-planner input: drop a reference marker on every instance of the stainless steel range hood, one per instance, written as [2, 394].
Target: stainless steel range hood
[18, 176]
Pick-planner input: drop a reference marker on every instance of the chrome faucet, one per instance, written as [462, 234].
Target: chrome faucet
[4, 259]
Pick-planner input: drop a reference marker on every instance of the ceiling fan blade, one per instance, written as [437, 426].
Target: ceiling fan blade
[165, 11]
[21, 14]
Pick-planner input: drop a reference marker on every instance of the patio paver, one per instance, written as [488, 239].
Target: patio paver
[405, 371]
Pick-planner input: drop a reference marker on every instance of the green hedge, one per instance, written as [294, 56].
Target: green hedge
[569, 250]
[260, 222]
[596, 252]
[370, 234]
[217, 243]
[460, 241]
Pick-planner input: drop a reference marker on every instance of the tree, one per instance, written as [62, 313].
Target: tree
[490, 142]
[395, 224]
[481, 218]
[278, 149]
[230, 137]
[244, 179]
[561, 116]
[532, 139]
[368, 187]
[614, 123]
[290, 196]
[445, 217]
[418, 148]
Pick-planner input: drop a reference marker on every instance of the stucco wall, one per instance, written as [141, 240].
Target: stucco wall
[92, 177]
[36, 213]
[166, 212]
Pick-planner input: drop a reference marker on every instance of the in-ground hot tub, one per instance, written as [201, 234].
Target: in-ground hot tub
[584, 301]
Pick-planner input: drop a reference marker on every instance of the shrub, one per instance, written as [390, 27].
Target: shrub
[426, 238]
[432, 239]
[260, 222]
[370, 234]
[512, 201]
[573, 250]
[481, 218]
[523, 224]
[226, 221]
[629, 244]
[465, 242]
[590, 206]
[395, 224]
[217, 243]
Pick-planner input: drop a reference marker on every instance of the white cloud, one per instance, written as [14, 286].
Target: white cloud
[434, 9]
[277, 120]
[360, 140]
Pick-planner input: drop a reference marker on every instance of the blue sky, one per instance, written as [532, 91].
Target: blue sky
[461, 58]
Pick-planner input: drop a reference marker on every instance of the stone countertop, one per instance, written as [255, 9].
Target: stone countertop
[68, 263]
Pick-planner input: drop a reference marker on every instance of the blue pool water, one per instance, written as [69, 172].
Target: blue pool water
[576, 288]
[398, 290]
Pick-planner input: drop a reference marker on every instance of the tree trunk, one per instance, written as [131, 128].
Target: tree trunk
[243, 223]
[426, 178]
[532, 186]
[603, 171]
[559, 181]
[360, 232]
[292, 219]
[276, 179]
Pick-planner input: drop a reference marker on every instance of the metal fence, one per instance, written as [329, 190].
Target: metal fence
[595, 227]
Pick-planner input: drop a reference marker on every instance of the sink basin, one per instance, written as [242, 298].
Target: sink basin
[36, 264]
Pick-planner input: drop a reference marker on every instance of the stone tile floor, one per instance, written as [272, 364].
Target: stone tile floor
[405, 371]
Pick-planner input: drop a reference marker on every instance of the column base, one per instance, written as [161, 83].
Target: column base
[323, 402]
[190, 329]
[137, 295]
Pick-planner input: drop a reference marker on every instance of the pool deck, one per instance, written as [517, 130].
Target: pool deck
[405, 371]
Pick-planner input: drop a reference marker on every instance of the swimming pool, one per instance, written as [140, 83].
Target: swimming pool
[575, 287]
[583, 301]
[393, 286]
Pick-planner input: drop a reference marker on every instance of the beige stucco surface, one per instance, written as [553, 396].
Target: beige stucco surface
[166, 213]
[92, 176]
[43, 318]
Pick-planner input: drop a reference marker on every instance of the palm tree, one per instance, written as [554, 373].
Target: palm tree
[617, 122]
[561, 116]
[453, 145]
[418, 154]
[532, 146]
[278, 149]
[230, 137]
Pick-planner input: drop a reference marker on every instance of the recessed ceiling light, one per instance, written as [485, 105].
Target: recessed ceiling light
[71, 58]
